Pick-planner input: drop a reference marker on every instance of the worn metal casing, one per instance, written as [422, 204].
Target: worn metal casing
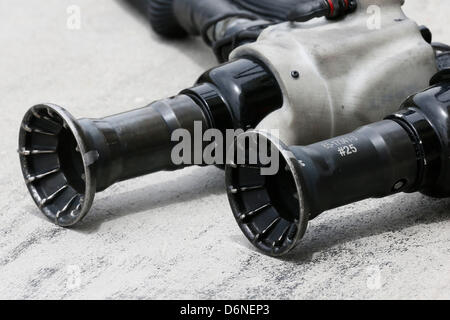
[351, 72]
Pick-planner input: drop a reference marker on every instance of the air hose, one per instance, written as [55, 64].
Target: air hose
[227, 24]
[220, 23]
[408, 151]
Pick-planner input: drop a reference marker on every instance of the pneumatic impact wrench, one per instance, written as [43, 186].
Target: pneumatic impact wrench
[311, 82]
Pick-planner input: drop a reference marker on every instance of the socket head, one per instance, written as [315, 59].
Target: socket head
[270, 209]
[55, 164]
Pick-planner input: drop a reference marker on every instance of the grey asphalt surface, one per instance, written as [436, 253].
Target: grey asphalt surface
[171, 235]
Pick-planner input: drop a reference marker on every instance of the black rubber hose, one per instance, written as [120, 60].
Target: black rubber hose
[163, 20]
[178, 18]
[269, 9]
[161, 16]
[197, 16]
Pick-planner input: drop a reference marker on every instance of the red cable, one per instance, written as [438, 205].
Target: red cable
[346, 4]
[330, 2]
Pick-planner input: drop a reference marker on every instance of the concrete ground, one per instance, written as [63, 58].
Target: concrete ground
[171, 235]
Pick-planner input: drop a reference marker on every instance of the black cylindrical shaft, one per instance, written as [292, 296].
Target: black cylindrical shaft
[138, 142]
[373, 161]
